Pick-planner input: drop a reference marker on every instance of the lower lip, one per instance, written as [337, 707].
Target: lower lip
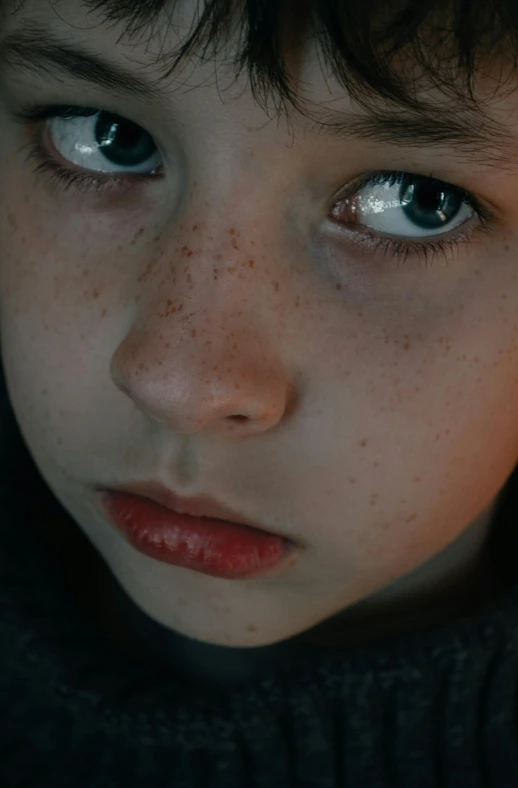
[213, 547]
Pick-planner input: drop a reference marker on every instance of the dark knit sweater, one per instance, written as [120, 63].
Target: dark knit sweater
[421, 710]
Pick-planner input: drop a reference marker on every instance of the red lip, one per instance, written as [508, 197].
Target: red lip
[200, 506]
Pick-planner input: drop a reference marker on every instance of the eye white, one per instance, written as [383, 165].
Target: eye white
[380, 207]
[75, 140]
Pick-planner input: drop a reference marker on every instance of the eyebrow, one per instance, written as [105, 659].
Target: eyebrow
[38, 49]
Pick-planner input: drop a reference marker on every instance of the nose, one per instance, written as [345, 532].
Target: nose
[203, 354]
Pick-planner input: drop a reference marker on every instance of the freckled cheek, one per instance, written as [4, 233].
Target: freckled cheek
[23, 275]
[45, 264]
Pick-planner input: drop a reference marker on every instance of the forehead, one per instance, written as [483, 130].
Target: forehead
[160, 42]
[161, 26]
[484, 131]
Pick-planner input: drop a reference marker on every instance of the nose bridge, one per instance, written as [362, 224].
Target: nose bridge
[232, 214]
[215, 290]
[216, 265]
[208, 273]
[203, 346]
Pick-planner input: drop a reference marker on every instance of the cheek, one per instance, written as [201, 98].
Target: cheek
[53, 261]
[418, 434]
[40, 325]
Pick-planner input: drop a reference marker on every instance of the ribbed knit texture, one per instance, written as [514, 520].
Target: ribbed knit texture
[429, 710]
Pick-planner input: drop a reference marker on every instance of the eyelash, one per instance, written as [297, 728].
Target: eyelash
[428, 250]
[58, 173]
[98, 184]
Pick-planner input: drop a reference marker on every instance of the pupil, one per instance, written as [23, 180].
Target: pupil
[430, 203]
[123, 143]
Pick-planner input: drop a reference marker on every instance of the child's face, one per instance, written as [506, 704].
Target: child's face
[379, 395]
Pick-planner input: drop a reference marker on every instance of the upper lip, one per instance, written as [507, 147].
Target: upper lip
[200, 506]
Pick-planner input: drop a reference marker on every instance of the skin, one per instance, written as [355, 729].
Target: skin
[366, 407]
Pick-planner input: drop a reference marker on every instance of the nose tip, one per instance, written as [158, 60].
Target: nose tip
[249, 396]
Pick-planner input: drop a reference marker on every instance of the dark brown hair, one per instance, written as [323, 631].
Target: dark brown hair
[375, 48]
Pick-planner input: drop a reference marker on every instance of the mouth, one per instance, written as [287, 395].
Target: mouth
[199, 534]
[201, 506]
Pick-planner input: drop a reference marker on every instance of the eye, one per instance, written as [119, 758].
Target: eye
[406, 205]
[102, 141]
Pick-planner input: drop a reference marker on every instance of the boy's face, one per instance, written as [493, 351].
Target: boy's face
[377, 398]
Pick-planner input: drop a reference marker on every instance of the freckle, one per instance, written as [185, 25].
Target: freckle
[338, 287]
[86, 272]
[193, 332]
[352, 481]
[363, 443]
[406, 345]
[251, 263]
[195, 227]
[234, 243]
[231, 270]
[276, 284]
[232, 231]
[96, 293]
